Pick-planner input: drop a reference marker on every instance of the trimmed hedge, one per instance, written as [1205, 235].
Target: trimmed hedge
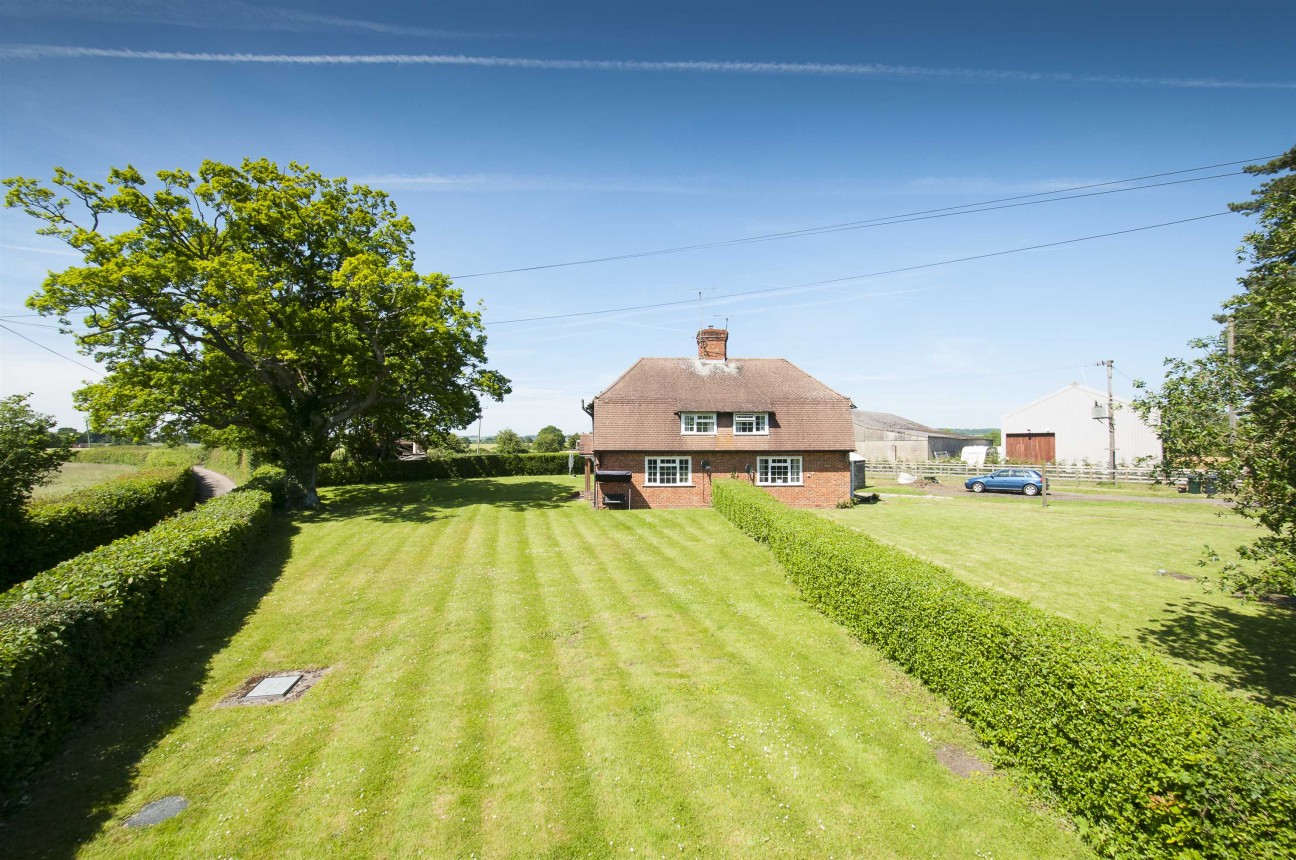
[235, 464]
[68, 633]
[60, 528]
[440, 468]
[142, 455]
[1150, 761]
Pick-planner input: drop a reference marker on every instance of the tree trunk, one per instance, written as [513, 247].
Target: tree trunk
[300, 466]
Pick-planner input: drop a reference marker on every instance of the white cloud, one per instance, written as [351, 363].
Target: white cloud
[212, 15]
[52, 52]
[446, 182]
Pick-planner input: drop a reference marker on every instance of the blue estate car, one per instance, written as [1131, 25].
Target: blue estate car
[1026, 481]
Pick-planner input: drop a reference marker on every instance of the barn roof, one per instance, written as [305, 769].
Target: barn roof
[896, 424]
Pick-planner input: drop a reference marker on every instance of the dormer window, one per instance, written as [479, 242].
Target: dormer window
[751, 424]
[698, 423]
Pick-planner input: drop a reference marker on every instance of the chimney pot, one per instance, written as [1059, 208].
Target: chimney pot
[713, 344]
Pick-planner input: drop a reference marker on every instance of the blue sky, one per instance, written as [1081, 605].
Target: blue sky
[523, 134]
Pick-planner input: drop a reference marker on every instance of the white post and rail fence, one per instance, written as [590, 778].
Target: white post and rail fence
[1057, 472]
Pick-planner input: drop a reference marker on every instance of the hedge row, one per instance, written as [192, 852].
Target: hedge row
[69, 525]
[441, 468]
[142, 455]
[69, 632]
[237, 465]
[1150, 761]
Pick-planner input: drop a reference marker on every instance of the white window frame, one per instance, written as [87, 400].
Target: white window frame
[689, 422]
[759, 422]
[764, 470]
[683, 467]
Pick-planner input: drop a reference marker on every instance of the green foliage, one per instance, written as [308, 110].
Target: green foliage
[1152, 762]
[550, 440]
[234, 464]
[82, 520]
[508, 442]
[29, 454]
[66, 634]
[442, 468]
[1256, 381]
[142, 455]
[27, 457]
[274, 304]
[284, 490]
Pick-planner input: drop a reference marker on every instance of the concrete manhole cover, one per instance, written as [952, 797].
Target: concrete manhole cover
[273, 688]
[158, 811]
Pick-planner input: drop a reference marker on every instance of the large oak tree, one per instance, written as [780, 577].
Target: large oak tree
[275, 306]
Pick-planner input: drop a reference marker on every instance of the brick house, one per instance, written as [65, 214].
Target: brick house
[667, 426]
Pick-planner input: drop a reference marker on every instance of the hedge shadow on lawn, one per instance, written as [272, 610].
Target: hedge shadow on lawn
[424, 501]
[77, 790]
[1259, 648]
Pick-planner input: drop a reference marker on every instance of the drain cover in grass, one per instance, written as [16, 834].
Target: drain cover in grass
[280, 685]
[158, 811]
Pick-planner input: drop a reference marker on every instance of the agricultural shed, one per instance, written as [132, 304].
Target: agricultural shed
[883, 436]
[1060, 428]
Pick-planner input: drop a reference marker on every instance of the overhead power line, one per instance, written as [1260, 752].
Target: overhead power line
[859, 277]
[47, 349]
[904, 217]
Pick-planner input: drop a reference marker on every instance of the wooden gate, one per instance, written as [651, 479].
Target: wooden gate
[1031, 447]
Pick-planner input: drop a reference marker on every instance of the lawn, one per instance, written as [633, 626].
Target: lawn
[75, 476]
[512, 674]
[1098, 562]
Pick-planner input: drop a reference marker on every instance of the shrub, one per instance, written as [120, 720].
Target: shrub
[284, 490]
[235, 464]
[69, 632]
[441, 468]
[60, 528]
[143, 455]
[1153, 762]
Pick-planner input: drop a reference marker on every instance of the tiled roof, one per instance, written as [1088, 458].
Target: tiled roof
[639, 412]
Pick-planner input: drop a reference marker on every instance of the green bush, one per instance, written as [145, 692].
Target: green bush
[441, 468]
[142, 455]
[284, 490]
[1150, 761]
[69, 525]
[235, 464]
[69, 632]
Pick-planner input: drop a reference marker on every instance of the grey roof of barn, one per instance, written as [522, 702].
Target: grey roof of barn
[896, 424]
[637, 411]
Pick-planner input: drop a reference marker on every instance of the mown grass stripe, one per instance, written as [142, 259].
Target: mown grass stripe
[565, 812]
[639, 567]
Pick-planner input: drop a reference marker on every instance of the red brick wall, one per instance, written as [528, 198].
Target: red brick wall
[825, 476]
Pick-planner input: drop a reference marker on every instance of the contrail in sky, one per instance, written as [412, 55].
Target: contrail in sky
[61, 52]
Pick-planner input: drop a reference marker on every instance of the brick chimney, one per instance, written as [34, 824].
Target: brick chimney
[713, 344]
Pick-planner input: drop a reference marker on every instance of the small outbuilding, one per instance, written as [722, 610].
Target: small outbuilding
[881, 436]
[1060, 428]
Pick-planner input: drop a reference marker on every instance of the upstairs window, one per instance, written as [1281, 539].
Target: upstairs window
[698, 423]
[751, 424]
[778, 470]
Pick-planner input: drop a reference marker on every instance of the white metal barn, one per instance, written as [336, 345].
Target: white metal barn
[1060, 428]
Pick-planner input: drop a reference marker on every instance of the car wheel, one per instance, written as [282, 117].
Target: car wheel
[978, 487]
[1031, 490]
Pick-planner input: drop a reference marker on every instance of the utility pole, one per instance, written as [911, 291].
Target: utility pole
[479, 420]
[1111, 421]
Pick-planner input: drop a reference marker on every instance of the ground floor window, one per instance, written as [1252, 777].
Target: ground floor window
[778, 470]
[668, 471]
